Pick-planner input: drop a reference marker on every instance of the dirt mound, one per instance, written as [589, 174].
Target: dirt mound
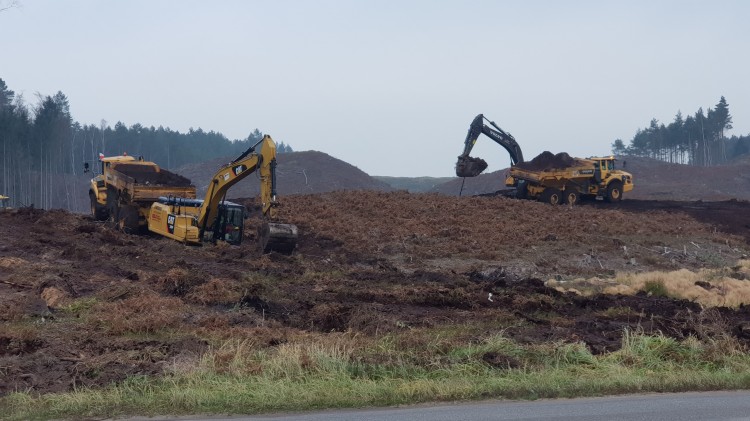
[143, 174]
[368, 262]
[547, 161]
[297, 173]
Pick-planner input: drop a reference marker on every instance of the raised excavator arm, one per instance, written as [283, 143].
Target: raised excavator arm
[272, 235]
[229, 175]
[472, 167]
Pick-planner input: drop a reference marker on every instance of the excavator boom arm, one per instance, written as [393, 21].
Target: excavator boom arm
[229, 175]
[502, 138]
[471, 167]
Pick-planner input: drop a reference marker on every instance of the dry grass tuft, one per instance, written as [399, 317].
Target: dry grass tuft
[11, 262]
[216, 291]
[708, 287]
[145, 313]
[178, 281]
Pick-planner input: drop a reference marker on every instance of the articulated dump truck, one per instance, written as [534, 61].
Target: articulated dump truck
[137, 195]
[557, 179]
[549, 178]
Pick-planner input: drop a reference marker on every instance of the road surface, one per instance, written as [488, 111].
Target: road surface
[699, 406]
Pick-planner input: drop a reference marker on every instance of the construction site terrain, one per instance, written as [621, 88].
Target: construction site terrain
[82, 304]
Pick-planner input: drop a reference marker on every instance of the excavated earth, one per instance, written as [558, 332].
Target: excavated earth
[84, 305]
[547, 161]
[143, 174]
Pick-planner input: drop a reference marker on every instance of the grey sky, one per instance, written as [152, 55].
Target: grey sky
[388, 86]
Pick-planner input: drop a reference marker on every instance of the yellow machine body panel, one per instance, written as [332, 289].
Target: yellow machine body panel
[163, 220]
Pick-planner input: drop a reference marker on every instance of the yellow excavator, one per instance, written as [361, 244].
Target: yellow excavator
[213, 218]
[135, 194]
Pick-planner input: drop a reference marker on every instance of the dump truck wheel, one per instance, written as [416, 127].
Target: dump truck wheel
[570, 196]
[552, 196]
[614, 191]
[522, 191]
[99, 212]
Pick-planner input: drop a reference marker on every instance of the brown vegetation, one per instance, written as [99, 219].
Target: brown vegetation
[368, 263]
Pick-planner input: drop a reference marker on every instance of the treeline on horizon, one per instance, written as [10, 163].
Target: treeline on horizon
[697, 139]
[43, 149]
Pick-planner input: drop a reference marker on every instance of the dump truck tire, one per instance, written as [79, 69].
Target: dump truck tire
[552, 196]
[570, 196]
[614, 191]
[98, 211]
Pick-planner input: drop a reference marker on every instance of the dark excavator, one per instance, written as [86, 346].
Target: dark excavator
[472, 167]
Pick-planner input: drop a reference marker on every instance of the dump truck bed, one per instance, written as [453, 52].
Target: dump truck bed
[579, 168]
[149, 182]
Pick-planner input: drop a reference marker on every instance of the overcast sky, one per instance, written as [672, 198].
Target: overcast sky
[388, 86]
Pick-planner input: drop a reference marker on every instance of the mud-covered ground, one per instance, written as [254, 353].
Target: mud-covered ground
[82, 304]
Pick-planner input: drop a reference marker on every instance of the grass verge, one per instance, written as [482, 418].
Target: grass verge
[337, 371]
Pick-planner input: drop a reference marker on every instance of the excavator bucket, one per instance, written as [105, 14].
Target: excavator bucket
[281, 238]
[470, 167]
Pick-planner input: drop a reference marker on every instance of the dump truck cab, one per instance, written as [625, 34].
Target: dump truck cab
[612, 182]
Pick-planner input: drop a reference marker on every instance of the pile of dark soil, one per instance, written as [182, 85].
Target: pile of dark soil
[546, 161]
[145, 174]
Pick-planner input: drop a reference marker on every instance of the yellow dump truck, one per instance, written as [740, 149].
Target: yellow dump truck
[127, 187]
[560, 178]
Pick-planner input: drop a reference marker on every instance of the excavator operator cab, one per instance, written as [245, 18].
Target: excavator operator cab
[229, 225]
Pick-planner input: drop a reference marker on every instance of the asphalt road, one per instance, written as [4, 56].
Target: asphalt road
[702, 406]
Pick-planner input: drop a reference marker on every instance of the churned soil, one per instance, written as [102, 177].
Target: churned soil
[82, 304]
